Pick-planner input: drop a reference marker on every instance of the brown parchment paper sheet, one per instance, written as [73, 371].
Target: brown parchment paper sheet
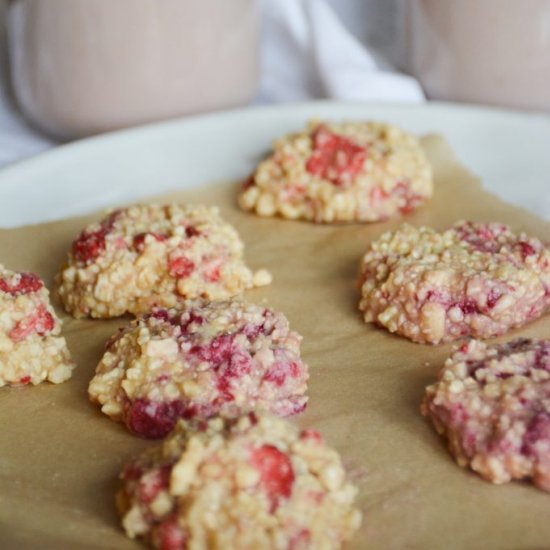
[59, 456]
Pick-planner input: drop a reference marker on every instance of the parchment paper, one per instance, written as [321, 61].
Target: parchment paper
[60, 457]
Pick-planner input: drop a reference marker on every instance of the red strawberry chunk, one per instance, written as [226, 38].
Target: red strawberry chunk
[153, 419]
[25, 380]
[218, 351]
[468, 306]
[89, 245]
[335, 158]
[276, 473]
[228, 360]
[235, 366]
[192, 231]
[224, 387]
[171, 536]
[526, 249]
[21, 283]
[240, 364]
[180, 267]
[41, 323]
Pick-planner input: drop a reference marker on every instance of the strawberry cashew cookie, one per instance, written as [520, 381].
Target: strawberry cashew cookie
[475, 279]
[251, 483]
[146, 256]
[354, 171]
[492, 404]
[31, 348]
[207, 359]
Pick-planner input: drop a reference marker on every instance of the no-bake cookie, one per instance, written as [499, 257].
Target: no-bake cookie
[146, 256]
[31, 348]
[353, 171]
[475, 279]
[253, 483]
[492, 404]
[209, 358]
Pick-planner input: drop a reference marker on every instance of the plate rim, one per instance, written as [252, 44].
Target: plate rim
[150, 127]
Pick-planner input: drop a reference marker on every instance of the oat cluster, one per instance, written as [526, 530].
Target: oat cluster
[475, 279]
[255, 482]
[31, 348]
[492, 404]
[153, 256]
[209, 358]
[353, 171]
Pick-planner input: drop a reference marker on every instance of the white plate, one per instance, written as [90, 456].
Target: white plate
[509, 150]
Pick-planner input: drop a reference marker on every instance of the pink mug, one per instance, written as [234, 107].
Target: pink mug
[481, 51]
[80, 67]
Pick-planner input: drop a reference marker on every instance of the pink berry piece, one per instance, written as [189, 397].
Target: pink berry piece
[41, 322]
[492, 404]
[91, 242]
[276, 473]
[335, 158]
[31, 348]
[251, 481]
[20, 283]
[206, 359]
[142, 257]
[474, 280]
[340, 172]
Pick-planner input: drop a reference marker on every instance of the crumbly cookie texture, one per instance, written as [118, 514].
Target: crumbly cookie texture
[492, 404]
[209, 358]
[353, 171]
[475, 279]
[251, 483]
[31, 348]
[146, 256]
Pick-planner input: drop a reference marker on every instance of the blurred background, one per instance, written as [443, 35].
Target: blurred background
[74, 68]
